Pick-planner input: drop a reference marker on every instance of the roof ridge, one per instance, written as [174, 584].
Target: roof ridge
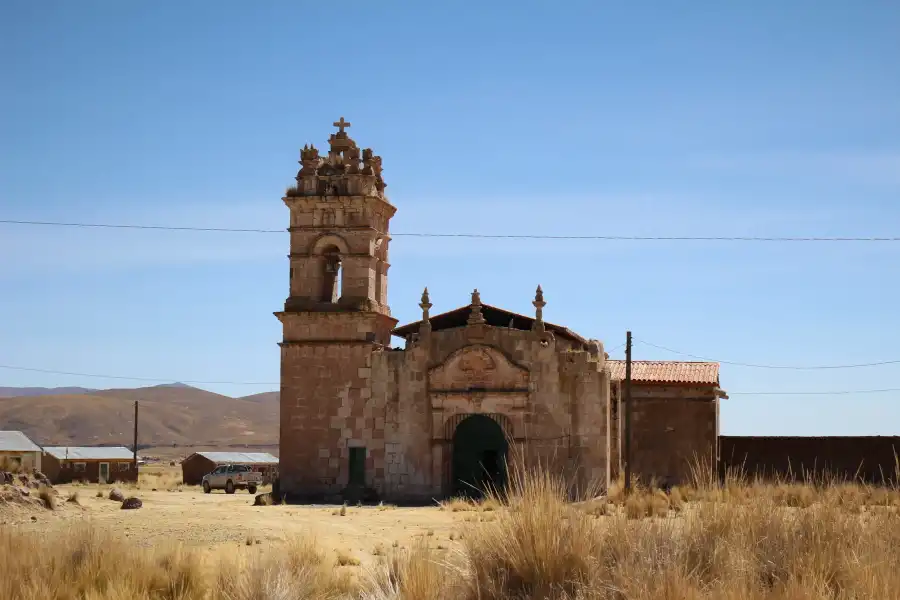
[674, 362]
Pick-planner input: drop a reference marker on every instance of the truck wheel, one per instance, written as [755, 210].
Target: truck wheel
[229, 487]
[251, 489]
[206, 488]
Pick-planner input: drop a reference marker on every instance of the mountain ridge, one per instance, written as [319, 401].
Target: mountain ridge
[169, 415]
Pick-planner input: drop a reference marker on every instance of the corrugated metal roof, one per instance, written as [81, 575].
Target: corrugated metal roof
[240, 458]
[16, 441]
[89, 452]
[666, 371]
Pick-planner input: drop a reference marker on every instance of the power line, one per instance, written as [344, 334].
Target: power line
[147, 379]
[633, 238]
[827, 393]
[134, 226]
[760, 366]
[270, 383]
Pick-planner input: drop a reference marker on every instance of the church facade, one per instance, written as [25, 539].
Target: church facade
[475, 393]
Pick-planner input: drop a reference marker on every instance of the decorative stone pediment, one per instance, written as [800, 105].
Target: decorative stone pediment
[478, 367]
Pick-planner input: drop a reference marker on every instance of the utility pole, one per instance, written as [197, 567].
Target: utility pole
[627, 400]
[135, 435]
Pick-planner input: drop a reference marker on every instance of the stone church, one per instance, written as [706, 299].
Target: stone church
[474, 392]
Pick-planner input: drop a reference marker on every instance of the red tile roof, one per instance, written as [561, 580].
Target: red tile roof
[666, 371]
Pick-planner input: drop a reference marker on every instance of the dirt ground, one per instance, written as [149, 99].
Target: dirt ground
[220, 521]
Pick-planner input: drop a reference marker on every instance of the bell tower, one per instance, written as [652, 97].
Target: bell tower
[336, 314]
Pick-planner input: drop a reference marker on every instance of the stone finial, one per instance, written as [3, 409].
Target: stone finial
[351, 160]
[309, 160]
[475, 316]
[425, 304]
[539, 298]
[539, 305]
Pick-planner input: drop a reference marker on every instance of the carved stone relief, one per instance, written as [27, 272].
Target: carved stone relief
[478, 367]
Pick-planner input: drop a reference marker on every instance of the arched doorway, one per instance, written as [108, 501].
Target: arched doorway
[479, 457]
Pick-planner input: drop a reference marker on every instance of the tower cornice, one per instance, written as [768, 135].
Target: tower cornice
[305, 201]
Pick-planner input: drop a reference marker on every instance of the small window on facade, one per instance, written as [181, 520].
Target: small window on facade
[124, 466]
[80, 467]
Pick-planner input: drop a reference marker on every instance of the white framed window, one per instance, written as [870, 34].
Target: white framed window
[80, 467]
[124, 466]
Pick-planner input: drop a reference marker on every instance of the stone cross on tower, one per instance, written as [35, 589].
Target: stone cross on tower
[341, 125]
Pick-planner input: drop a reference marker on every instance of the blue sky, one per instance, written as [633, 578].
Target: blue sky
[593, 118]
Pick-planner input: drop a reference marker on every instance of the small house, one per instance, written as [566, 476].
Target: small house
[18, 453]
[93, 464]
[198, 464]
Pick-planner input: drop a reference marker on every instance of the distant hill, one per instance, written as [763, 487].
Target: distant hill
[263, 397]
[12, 392]
[169, 415]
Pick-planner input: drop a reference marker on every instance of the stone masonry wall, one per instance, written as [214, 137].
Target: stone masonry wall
[551, 416]
[324, 392]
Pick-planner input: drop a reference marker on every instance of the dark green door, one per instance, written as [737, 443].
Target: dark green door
[479, 457]
[357, 466]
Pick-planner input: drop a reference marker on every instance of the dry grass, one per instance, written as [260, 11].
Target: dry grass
[160, 477]
[48, 497]
[298, 570]
[154, 477]
[87, 563]
[469, 505]
[414, 574]
[737, 541]
[345, 559]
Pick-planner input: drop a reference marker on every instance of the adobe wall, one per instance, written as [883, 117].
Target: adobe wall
[63, 471]
[673, 427]
[194, 467]
[870, 458]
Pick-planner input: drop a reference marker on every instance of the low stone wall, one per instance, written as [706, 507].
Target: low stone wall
[871, 459]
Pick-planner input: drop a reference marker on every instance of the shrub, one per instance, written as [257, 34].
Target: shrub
[345, 559]
[48, 497]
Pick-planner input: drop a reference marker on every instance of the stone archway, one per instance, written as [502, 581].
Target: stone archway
[479, 456]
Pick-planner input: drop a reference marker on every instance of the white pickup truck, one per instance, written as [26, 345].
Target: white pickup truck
[232, 477]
